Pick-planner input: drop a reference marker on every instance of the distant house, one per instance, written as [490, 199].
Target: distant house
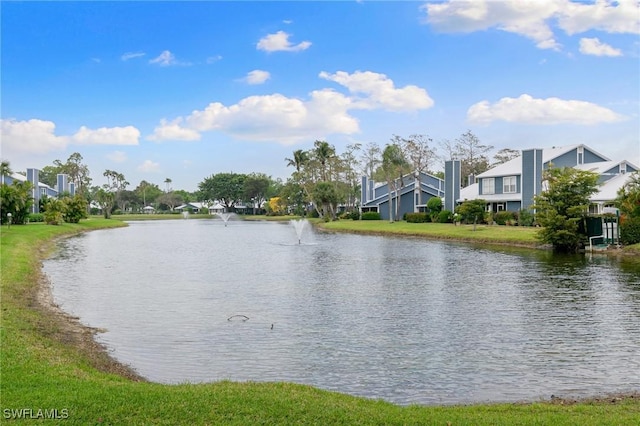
[513, 185]
[41, 190]
[148, 210]
[414, 192]
[197, 207]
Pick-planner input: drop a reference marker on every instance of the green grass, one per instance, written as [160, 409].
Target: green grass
[514, 235]
[40, 371]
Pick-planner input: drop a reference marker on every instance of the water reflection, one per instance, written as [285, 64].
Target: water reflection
[407, 320]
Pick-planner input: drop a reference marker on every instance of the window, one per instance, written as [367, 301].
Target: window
[509, 184]
[580, 155]
[488, 186]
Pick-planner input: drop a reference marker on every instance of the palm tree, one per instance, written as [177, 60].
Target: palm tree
[5, 169]
[300, 158]
[323, 152]
[167, 182]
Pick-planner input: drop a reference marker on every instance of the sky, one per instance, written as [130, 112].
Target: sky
[184, 90]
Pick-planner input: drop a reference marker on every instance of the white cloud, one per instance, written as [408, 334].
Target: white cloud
[173, 131]
[128, 135]
[117, 156]
[280, 42]
[149, 166]
[611, 16]
[257, 77]
[528, 110]
[167, 59]
[132, 55]
[30, 137]
[214, 59]
[380, 91]
[287, 121]
[532, 19]
[593, 46]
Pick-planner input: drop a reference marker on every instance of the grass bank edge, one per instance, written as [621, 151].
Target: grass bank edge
[38, 371]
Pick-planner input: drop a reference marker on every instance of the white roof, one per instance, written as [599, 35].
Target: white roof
[608, 191]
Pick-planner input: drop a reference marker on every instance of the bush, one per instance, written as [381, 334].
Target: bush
[371, 216]
[503, 217]
[354, 215]
[445, 216]
[630, 230]
[36, 217]
[417, 217]
[74, 209]
[525, 218]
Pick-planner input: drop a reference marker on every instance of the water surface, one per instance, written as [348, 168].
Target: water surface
[406, 320]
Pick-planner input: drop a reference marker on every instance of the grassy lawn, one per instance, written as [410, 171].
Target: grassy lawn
[495, 234]
[45, 367]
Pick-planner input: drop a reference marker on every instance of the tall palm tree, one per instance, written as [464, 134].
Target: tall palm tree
[5, 169]
[300, 158]
[323, 152]
[167, 182]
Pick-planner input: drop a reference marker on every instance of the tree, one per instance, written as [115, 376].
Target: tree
[393, 166]
[504, 155]
[471, 211]
[420, 156]
[471, 153]
[117, 184]
[77, 171]
[323, 152]
[170, 199]
[105, 200]
[562, 206]
[75, 208]
[16, 199]
[628, 201]
[5, 168]
[167, 183]
[53, 215]
[148, 192]
[227, 188]
[256, 187]
[325, 196]
[350, 185]
[371, 159]
[299, 160]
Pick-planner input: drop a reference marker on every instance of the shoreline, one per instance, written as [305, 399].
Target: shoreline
[68, 330]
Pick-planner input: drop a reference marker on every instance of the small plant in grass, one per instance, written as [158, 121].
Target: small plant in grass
[445, 216]
[371, 216]
[503, 217]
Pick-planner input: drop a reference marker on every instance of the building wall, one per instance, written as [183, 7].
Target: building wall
[33, 176]
[451, 184]
[531, 178]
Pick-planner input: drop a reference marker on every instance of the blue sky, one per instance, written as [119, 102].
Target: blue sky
[183, 90]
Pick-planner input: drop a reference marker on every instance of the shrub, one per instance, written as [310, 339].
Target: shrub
[445, 216]
[434, 204]
[630, 230]
[36, 217]
[525, 218]
[417, 217]
[371, 216]
[502, 217]
[472, 211]
[354, 215]
[74, 209]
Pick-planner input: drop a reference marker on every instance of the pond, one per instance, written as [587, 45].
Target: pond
[405, 320]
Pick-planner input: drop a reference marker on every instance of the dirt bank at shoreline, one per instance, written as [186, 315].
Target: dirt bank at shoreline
[67, 329]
